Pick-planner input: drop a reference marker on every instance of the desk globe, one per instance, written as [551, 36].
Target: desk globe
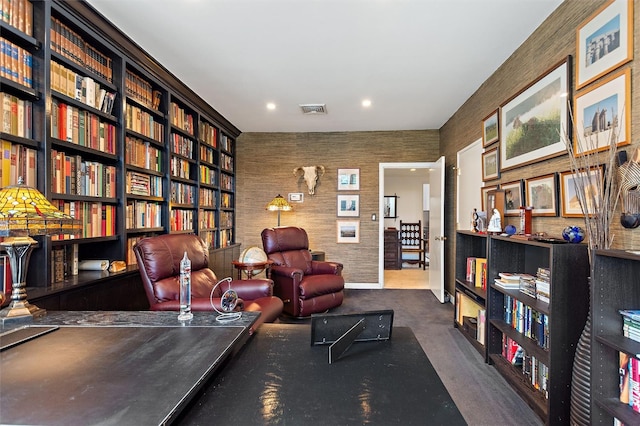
[253, 254]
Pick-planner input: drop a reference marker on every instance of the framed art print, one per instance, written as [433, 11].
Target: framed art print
[513, 197]
[348, 231]
[542, 195]
[604, 41]
[586, 182]
[532, 122]
[490, 168]
[348, 179]
[603, 114]
[390, 206]
[490, 129]
[349, 205]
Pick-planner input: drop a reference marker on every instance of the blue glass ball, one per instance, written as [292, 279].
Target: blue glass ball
[510, 229]
[573, 234]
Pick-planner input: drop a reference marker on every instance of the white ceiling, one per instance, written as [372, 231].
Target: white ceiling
[416, 60]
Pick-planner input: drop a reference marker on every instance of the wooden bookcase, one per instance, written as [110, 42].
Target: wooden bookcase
[566, 312]
[469, 299]
[614, 287]
[163, 158]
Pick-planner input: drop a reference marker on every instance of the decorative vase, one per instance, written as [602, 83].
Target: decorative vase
[580, 410]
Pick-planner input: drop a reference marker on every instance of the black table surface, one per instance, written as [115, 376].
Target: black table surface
[112, 368]
[280, 379]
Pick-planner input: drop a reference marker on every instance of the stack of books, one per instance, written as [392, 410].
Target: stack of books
[528, 285]
[631, 324]
[629, 381]
[508, 280]
[543, 285]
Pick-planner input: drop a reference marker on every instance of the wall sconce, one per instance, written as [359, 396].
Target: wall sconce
[25, 212]
[279, 204]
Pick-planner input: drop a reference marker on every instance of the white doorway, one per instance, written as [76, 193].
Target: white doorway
[411, 278]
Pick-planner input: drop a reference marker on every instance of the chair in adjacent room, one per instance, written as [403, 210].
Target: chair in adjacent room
[305, 286]
[413, 244]
[159, 264]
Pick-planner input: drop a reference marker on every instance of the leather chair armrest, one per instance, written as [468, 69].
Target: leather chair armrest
[251, 289]
[293, 273]
[318, 267]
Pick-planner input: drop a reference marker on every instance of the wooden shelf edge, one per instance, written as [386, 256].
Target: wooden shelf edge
[619, 410]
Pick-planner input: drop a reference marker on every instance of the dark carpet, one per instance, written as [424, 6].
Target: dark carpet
[481, 394]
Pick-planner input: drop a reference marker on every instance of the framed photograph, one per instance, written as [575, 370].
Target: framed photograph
[603, 114]
[569, 182]
[348, 179]
[542, 195]
[490, 129]
[532, 121]
[513, 197]
[604, 41]
[490, 169]
[349, 205]
[484, 191]
[390, 207]
[348, 231]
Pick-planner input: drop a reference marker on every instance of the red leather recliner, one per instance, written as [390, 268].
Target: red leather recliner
[305, 286]
[159, 264]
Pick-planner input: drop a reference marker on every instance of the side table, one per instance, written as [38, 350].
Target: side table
[252, 266]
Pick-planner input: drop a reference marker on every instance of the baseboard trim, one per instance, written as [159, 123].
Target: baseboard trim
[363, 286]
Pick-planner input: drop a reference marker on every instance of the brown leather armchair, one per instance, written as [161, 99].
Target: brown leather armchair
[305, 286]
[159, 264]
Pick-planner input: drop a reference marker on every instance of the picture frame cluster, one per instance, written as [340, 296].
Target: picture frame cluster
[348, 205]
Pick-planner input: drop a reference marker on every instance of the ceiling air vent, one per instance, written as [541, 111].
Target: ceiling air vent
[313, 108]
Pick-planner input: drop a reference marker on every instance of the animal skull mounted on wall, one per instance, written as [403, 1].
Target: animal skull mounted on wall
[311, 175]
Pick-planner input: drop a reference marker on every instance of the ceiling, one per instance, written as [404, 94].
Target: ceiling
[417, 61]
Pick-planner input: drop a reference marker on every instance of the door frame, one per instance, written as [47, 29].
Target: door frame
[381, 168]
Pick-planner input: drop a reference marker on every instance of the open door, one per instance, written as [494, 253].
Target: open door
[436, 230]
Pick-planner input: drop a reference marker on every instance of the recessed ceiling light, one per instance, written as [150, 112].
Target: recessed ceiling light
[271, 106]
[412, 170]
[366, 103]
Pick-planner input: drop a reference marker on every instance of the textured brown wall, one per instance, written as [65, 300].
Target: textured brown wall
[265, 168]
[554, 40]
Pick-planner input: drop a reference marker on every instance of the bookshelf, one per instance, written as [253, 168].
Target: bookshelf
[550, 365]
[469, 299]
[112, 137]
[614, 287]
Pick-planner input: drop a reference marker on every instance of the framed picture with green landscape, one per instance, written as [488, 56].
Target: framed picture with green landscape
[490, 129]
[532, 122]
[490, 168]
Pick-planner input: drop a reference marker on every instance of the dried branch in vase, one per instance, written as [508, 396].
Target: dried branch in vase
[597, 190]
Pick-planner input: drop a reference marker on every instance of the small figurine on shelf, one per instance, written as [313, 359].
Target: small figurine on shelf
[474, 220]
[495, 224]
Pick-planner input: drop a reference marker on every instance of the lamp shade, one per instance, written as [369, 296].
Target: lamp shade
[25, 211]
[279, 203]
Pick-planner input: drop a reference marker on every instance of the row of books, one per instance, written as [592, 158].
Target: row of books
[18, 14]
[64, 262]
[538, 287]
[226, 200]
[16, 63]
[81, 88]
[71, 174]
[476, 272]
[536, 372]
[17, 116]
[98, 219]
[526, 320]
[226, 237]
[226, 182]
[208, 176]
[140, 121]
[182, 193]
[181, 145]
[226, 143]
[181, 119]
[143, 184]
[209, 238]
[226, 219]
[179, 167]
[142, 154]
[72, 46]
[226, 162]
[207, 197]
[208, 134]
[207, 219]
[17, 161]
[141, 91]
[181, 220]
[81, 127]
[629, 372]
[207, 154]
[143, 214]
